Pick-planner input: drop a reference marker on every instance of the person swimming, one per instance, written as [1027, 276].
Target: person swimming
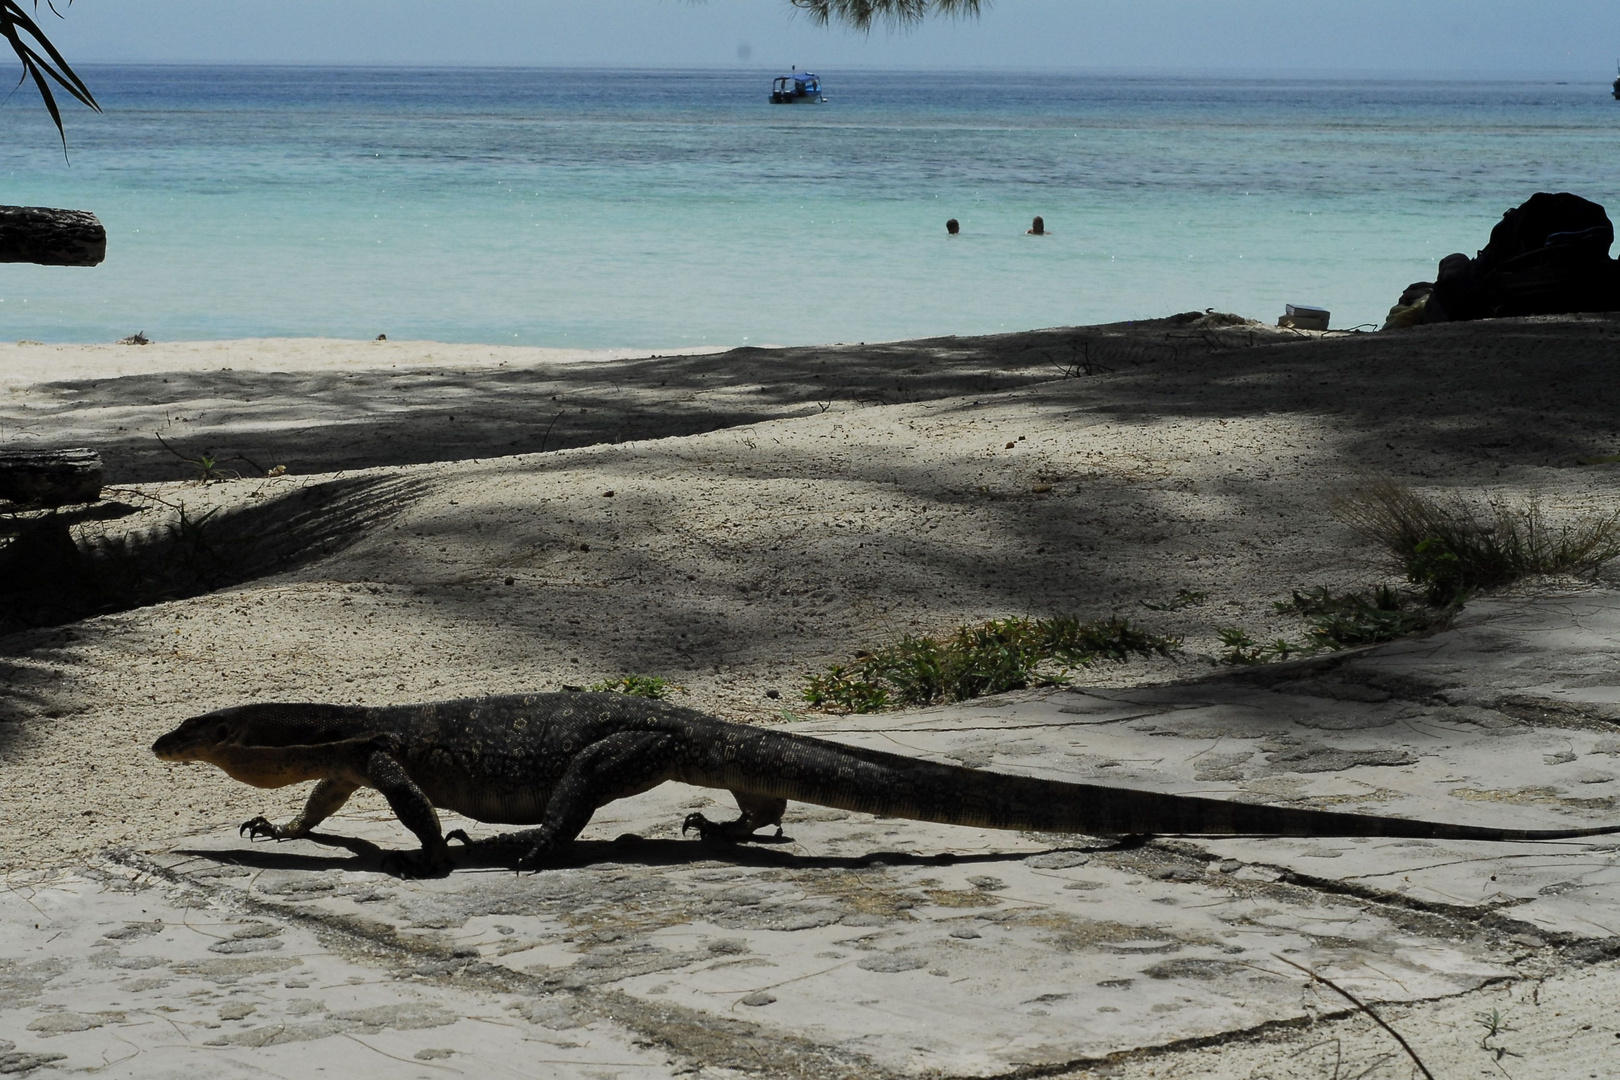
[952, 226]
[1038, 228]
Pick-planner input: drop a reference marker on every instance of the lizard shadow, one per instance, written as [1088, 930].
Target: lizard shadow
[580, 854]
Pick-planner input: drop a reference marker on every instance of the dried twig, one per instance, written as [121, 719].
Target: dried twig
[547, 434]
[1364, 1007]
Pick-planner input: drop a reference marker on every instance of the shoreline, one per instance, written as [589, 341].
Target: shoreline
[320, 405]
[25, 363]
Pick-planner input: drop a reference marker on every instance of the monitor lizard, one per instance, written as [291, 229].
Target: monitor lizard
[550, 760]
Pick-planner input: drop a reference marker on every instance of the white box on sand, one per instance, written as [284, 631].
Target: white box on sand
[1305, 317]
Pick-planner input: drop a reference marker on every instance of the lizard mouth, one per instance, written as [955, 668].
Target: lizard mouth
[183, 744]
[169, 748]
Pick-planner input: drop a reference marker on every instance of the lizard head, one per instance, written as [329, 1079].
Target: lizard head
[262, 744]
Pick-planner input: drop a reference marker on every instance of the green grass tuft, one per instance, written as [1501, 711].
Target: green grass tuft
[1243, 649]
[647, 686]
[1451, 548]
[972, 661]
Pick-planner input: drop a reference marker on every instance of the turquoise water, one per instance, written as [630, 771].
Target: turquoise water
[647, 209]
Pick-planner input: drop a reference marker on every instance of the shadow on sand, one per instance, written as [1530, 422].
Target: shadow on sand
[629, 850]
[57, 568]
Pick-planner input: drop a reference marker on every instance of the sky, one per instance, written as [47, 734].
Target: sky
[1563, 38]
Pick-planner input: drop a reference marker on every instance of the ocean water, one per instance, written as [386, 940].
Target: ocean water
[585, 208]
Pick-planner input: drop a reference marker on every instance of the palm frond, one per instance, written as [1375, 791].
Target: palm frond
[860, 14]
[41, 61]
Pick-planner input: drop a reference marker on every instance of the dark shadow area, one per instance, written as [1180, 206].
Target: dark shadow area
[53, 570]
[777, 597]
[251, 421]
[1442, 402]
[584, 853]
[1499, 393]
[25, 695]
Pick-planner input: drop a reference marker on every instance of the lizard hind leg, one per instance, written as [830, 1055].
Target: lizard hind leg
[757, 812]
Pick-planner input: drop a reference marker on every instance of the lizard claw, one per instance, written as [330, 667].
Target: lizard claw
[533, 858]
[727, 831]
[259, 828]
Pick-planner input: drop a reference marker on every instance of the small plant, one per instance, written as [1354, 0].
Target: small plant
[207, 468]
[1439, 570]
[1240, 647]
[206, 464]
[1451, 548]
[1345, 620]
[647, 686]
[1493, 1022]
[1244, 650]
[972, 661]
[1184, 598]
[845, 689]
[1337, 621]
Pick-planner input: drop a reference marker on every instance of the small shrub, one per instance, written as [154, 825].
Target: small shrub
[1348, 619]
[972, 661]
[843, 689]
[1441, 573]
[647, 686]
[1337, 621]
[1076, 642]
[1243, 649]
[1451, 548]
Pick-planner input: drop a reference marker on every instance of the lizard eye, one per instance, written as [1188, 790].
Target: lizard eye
[222, 732]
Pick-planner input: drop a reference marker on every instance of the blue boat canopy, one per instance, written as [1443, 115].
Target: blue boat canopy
[796, 86]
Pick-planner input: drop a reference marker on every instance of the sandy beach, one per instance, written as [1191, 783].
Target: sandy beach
[449, 520]
[466, 520]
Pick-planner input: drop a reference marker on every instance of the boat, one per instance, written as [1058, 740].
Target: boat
[798, 88]
[1617, 86]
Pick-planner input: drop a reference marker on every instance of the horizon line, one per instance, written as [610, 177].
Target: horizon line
[1413, 74]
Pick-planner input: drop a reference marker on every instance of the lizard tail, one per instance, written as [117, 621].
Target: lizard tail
[809, 770]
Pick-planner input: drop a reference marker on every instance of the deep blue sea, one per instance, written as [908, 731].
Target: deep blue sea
[590, 208]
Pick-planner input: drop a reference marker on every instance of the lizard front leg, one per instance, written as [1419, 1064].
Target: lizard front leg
[416, 813]
[327, 799]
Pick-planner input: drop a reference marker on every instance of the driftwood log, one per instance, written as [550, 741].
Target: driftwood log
[39, 234]
[50, 477]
